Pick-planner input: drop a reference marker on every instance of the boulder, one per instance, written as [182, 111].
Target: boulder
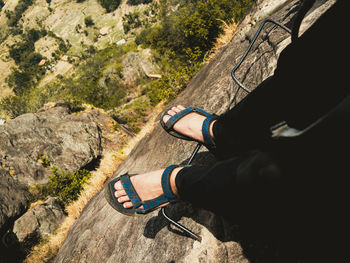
[14, 201]
[137, 65]
[32, 142]
[101, 234]
[38, 222]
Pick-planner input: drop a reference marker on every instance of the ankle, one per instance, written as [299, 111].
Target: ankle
[172, 180]
[211, 133]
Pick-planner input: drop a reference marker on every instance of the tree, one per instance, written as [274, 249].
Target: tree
[2, 3]
[88, 21]
[137, 2]
[109, 5]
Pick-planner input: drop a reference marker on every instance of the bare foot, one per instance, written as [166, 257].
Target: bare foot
[147, 186]
[189, 125]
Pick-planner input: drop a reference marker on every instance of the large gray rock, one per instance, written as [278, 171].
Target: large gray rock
[38, 222]
[67, 141]
[103, 235]
[14, 200]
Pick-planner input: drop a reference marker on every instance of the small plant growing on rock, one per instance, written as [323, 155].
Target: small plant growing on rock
[65, 186]
[44, 161]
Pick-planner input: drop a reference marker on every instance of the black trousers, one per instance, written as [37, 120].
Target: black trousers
[299, 182]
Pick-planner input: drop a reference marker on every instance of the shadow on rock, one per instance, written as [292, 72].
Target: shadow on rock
[261, 237]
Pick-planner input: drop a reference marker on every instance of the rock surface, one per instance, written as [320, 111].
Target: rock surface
[103, 235]
[14, 200]
[67, 141]
[29, 145]
[38, 222]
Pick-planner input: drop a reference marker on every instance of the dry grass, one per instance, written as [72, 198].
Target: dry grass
[48, 248]
[224, 38]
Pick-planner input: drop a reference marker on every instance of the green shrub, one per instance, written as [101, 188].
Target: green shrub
[192, 26]
[109, 5]
[19, 81]
[88, 21]
[15, 16]
[132, 114]
[44, 161]
[131, 20]
[13, 106]
[160, 89]
[2, 3]
[66, 186]
[137, 2]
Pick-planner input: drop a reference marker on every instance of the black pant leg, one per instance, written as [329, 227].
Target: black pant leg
[237, 188]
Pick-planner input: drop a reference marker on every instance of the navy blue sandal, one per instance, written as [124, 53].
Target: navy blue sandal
[148, 205]
[169, 125]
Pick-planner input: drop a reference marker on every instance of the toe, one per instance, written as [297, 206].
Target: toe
[176, 109]
[181, 107]
[127, 205]
[166, 118]
[118, 186]
[119, 193]
[172, 112]
[123, 199]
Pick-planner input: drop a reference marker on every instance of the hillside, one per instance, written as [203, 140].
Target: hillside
[56, 156]
[79, 81]
[61, 35]
[102, 234]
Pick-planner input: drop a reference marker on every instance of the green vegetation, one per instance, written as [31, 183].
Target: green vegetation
[44, 161]
[88, 21]
[109, 5]
[25, 57]
[184, 35]
[66, 186]
[96, 82]
[131, 20]
[180, 33]
[2, 3]
[137, 2]
[15, 16]
[132, 114]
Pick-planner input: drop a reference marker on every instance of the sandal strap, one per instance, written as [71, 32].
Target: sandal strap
[205, 130]
[166, 183]
[171, 122]
[168, 126]
[149, 205]
[152, 204]
[168, 195]
[130, 190]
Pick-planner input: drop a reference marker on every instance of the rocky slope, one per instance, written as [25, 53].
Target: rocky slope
[65, 19]
[64, 140]
[103, 235]
[32, 144]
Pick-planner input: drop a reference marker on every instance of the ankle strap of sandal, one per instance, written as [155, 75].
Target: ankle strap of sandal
[166, 183]
[208, 140]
